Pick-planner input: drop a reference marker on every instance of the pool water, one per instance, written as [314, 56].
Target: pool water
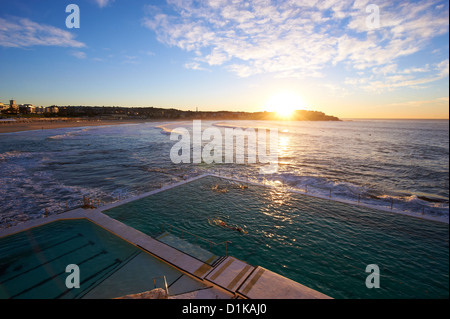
[33, 264]
[322, 244]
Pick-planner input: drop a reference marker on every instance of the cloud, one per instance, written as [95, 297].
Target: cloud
[131, 59]
[21, 32]
[194, 66]
[79, 54]
[253, 38]
[443, 68]
[390, 77]
[405, 28]
[296, 38]
[103, 3]
[442, 101]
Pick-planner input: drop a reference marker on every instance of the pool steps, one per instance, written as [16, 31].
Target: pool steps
[186, 247]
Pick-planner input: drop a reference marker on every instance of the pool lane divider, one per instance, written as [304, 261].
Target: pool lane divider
[113, 265]
[105, 276]
[46, 262]
[55, 276]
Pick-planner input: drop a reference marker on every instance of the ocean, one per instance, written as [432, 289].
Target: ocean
[398, 165]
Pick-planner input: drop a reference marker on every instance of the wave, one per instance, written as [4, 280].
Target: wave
[13, 154]
[169, 128]
[342, 191]
[24, 198]
[69, 134]
[311, 166]
[257, 125]
[164, 130]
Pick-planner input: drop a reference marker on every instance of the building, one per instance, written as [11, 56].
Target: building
[52, 109]
[30, 108]
[12, 108]
[27, 108]
[13, 105]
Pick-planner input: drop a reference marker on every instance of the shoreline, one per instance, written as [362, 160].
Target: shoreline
[32, 124]
[49, 123]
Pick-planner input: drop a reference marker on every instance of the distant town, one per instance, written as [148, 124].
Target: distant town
[13, 110]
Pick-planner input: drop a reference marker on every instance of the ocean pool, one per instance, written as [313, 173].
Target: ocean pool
[323, 244]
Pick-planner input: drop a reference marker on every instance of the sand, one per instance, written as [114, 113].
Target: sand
[46, 124]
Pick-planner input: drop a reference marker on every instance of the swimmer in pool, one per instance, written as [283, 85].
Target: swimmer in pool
[239, 229]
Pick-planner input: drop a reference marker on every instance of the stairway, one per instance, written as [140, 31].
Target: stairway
[188, 248]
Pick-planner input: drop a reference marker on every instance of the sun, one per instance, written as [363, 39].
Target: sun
[285, 104]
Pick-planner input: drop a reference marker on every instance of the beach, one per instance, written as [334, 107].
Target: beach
[19, 125]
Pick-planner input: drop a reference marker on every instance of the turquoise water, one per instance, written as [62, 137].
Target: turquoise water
[33, 264]
[322, 244]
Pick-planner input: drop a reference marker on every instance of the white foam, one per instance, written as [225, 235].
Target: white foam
[169, 128]
[71, 133]
[400, 207]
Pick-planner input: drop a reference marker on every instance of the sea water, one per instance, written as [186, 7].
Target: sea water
[399, 164]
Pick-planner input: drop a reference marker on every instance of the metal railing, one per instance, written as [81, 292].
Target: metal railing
[324, 192]
[166, 287]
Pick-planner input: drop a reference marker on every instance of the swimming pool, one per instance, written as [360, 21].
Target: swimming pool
[322, 244]
[33, 264]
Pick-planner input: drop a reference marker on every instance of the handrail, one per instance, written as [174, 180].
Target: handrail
[389, 202]
[226, 242]
[166, 287]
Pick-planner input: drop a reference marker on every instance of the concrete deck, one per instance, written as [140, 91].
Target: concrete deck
[265, 284]
[230, 273]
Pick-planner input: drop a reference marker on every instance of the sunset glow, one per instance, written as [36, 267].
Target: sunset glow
[285, 104]
[349, 59]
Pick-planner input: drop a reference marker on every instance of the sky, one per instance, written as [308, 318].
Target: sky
[351, 59]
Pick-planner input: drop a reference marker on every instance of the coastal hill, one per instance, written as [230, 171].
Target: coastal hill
[173, 114]
[116, 112]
